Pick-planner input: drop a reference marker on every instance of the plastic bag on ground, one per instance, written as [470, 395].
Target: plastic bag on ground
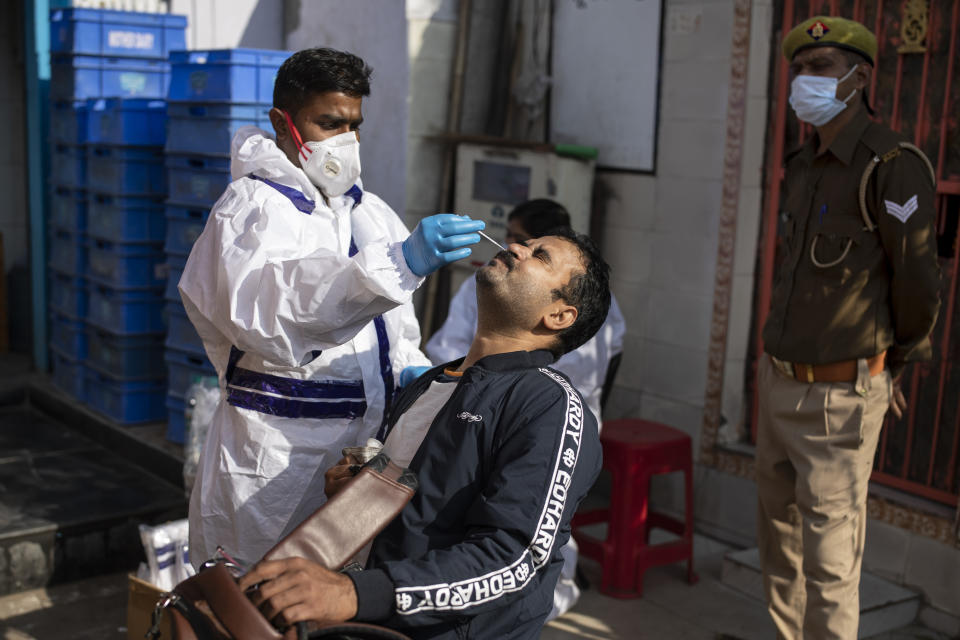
[164, 546]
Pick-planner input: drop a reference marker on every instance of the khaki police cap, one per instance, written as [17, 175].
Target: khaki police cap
[828, 31]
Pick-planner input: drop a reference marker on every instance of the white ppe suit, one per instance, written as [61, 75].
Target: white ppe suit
[586, 367]
[304, 309]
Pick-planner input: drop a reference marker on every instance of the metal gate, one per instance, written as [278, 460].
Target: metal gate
[916, 90]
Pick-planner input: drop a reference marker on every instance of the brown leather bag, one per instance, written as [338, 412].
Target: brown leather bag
[338, 530]
[210, 605]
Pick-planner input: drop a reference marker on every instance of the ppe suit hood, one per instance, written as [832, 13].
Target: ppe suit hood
[255, 151]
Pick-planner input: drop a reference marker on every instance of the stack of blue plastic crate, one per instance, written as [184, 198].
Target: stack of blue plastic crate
[126, 189]
[212, 94]
[97, 53]
[67, 231]
[107, 189]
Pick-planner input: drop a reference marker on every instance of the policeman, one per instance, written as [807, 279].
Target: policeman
[856, 298]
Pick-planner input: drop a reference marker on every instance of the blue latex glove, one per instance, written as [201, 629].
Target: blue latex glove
[411, 373]
[438, 240]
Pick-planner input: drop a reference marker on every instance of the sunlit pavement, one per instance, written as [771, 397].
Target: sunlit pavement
[673, 609]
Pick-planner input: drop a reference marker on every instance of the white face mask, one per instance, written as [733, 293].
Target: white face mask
[333, 164]
[814, 98]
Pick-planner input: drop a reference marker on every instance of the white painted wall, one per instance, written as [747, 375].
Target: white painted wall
[660, 235]
[659, 232]
[620, 98]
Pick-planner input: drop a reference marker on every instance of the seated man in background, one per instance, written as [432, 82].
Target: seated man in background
[586, 366]
[505, 452]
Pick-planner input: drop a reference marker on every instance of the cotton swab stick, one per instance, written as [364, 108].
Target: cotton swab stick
[486, 237]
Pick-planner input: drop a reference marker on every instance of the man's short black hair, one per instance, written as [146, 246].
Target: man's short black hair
[538, 217]
[588, 291]
[314, 71]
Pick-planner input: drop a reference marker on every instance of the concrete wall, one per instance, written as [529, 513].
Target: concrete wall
[748, 222]
[431, 46]
[376, 31]
[222, 24]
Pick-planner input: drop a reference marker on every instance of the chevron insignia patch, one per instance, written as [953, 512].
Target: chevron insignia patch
[901, 212]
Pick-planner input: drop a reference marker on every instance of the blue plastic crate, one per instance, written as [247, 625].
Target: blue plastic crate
[197, 180]
[68, 336]
[68, 122]
[116, 33]
[125, 266]
[126, 310]
[127, 121]
[176, 419]
[184, 226]
[175, 265]
[209, 128]
[126, 170]
[130, 357]
[180, 332]
[125, 401]
[68, 253]
[68, 209]
[130, 219]
[68, 295]
[182, 368]
[225, 75]
[69, 375]
[68, 166]
[83, 77]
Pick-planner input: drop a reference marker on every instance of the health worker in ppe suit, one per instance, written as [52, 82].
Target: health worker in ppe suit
[300, 288]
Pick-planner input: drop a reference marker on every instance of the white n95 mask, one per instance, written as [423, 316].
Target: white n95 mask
[814, 98]
[333, 165]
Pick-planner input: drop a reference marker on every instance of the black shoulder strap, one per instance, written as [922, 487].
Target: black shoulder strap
[875, 162]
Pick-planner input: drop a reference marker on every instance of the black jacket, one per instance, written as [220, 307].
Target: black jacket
[502, 469]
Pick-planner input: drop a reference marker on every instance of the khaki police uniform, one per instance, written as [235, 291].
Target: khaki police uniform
[855, 300]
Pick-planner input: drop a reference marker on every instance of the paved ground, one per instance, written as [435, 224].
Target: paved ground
[671, 609]
[93, 609]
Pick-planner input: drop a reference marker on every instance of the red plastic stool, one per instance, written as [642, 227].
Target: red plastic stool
[633, 451]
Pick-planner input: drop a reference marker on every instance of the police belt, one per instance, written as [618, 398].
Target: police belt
[843, 371]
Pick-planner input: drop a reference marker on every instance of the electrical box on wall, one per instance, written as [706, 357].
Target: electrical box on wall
[492, 180]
